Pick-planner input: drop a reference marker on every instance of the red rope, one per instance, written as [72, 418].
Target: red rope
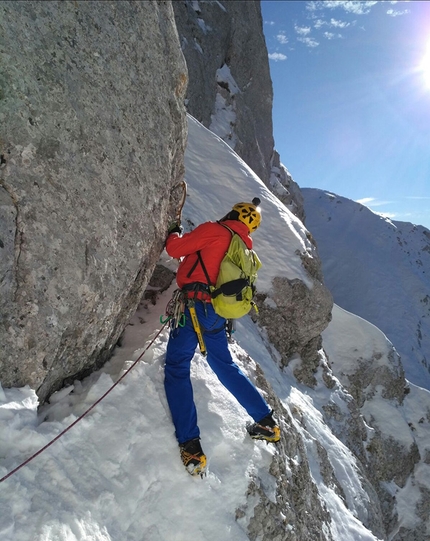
[86, 412]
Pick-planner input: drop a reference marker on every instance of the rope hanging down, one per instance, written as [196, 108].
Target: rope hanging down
[85, 412]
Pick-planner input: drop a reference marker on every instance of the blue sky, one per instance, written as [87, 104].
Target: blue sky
[351, 108]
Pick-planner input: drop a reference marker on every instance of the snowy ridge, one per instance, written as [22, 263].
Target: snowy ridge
[378, 269]
[350, 341]
[117, 476]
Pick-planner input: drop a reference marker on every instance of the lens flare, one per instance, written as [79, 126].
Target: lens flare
[425, 66]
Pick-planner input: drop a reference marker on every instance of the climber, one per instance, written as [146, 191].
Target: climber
[212, 240]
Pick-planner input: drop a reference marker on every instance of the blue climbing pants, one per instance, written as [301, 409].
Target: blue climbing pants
[180, 350]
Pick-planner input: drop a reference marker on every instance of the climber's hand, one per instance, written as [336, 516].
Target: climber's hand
[174, 227]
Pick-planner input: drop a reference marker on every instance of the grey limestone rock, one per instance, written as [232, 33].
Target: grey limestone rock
[385, 458]
[294, 319]
[284, 187]
[92, 136]
[230, 89]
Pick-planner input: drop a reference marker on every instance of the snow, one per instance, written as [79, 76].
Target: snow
[116, 475]
[220, 5]
[316, 431]
[223, 75]
[378, 269]
[352, 338]
[195, 6]
[223, 121]
[198, 46]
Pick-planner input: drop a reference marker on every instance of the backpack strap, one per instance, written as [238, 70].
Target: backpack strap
[234, 287]
[193, 268]
[226, 226]
[200, 260]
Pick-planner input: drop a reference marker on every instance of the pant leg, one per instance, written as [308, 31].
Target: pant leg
[177, 383]
[220, 360]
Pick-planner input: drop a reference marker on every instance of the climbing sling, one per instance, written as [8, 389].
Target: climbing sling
[196, 326]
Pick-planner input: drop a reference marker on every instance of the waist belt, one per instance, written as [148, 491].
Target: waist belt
[197, 291]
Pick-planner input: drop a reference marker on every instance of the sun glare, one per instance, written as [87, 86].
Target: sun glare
[425, 66]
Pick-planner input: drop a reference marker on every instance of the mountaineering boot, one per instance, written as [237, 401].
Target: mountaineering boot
[266, 429]
[193, 457]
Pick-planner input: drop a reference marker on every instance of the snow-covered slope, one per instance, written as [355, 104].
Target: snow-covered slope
[117, 476]
[378, 269]
[399, 430]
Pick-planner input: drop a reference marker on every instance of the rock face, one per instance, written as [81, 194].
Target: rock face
[295, 321]
[393, 449]
[92, 136]
[297, 511]
[284, 187]
[230, 89]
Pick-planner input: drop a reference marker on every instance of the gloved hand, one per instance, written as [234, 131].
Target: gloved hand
[174, 227]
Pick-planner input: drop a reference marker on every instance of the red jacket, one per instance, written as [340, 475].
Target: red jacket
[213, 240]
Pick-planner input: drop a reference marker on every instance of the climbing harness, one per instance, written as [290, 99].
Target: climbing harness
[85, 412]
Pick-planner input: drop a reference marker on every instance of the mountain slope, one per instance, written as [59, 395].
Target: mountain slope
[117, 475]
[378, 269]
[361, 357]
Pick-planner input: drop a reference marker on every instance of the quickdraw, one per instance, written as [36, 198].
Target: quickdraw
[175, 310]
[175, 316]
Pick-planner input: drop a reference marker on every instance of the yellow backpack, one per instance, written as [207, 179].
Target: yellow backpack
[235, 286]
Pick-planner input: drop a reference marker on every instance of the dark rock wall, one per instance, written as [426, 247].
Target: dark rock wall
[230, 34]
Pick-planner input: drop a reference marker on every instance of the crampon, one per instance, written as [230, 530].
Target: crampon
[193, 457]
[266, 430]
